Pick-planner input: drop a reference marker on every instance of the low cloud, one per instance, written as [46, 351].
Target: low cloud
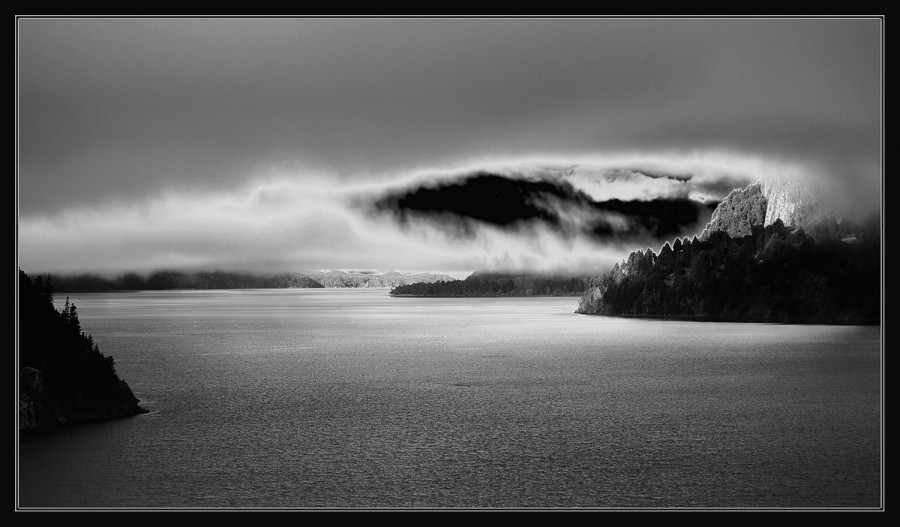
[549, 214]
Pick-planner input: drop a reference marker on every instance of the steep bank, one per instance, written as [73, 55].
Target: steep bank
[762, 204]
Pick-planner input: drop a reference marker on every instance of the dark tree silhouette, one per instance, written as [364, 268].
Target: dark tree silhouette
[63, 376]
[774, 274]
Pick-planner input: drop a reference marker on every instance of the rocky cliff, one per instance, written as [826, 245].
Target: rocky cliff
[794, 204]
[762, 204]
[738, 213]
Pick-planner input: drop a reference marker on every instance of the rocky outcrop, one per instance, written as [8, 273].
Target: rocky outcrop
[739, 212]
[794, 204]
[762, 204]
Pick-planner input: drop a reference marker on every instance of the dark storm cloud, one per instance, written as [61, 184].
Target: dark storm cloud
[463, 205]
[127, 107]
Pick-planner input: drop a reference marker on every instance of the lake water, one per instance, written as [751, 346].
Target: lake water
[351, 398]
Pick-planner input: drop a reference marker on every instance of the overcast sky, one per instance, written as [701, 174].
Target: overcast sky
[150, 143]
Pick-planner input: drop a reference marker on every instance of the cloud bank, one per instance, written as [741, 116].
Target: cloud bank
[124, 108]
[554, 214]
[247, 143]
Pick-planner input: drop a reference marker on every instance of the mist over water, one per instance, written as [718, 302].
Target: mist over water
[351, 398]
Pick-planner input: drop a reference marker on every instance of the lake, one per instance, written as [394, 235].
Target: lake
[350, 398]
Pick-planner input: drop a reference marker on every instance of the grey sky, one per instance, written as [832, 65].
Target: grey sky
[122, 110]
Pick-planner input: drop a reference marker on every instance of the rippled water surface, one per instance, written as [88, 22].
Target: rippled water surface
[351, 398]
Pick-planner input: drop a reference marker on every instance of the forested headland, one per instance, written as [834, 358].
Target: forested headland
[774, 274]
[63, 376]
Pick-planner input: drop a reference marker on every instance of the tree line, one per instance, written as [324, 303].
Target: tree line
[164, 280]
[499, 284]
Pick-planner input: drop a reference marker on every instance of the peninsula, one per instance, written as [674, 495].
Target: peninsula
[749, 264]
[63, 377]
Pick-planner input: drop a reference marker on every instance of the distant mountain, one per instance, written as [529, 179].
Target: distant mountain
[63, 376]
[164, 280]
[388, 279]
[498, 284]
[749, 264]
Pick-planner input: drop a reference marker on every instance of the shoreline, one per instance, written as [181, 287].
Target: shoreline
[487, 296]
[691, 318]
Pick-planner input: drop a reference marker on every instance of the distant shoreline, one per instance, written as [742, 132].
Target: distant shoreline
[208, 280]
[486, 296]
[333, 288]
[688, 318]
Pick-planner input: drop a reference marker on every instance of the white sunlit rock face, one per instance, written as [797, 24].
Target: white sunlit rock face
[738, 213]
[764, 203]
[794, 204]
